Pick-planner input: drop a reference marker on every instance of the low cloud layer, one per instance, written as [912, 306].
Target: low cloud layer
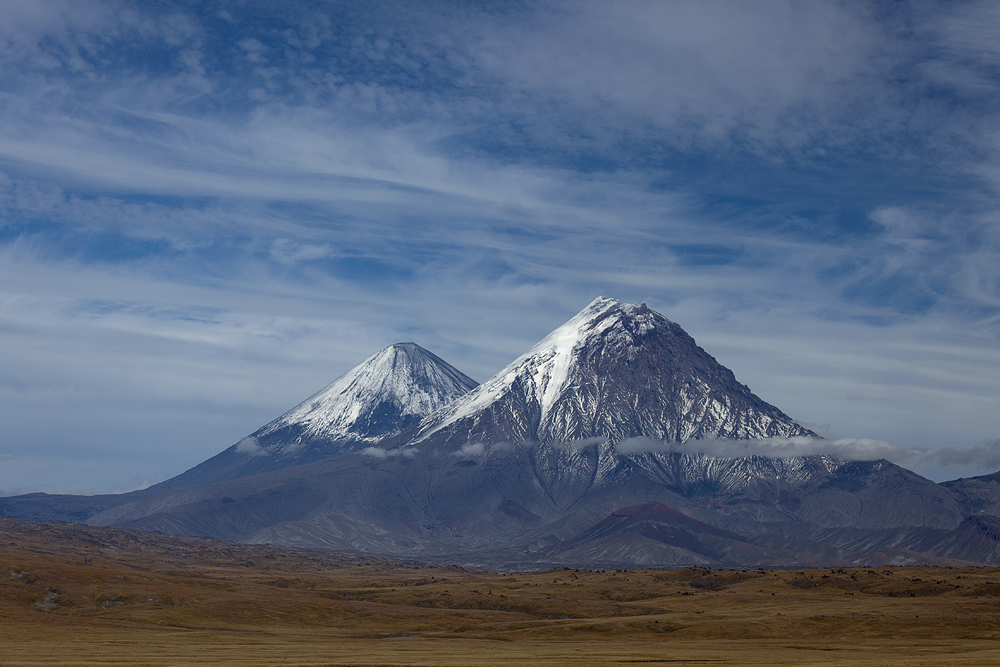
[985, 456]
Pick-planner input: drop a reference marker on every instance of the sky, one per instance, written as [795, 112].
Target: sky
[209, 211]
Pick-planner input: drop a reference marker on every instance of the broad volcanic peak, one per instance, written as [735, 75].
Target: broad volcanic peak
[614, 371]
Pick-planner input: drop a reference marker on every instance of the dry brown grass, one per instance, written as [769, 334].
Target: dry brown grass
[74, 595]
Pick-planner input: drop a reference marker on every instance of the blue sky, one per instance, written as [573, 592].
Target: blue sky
[208, 211]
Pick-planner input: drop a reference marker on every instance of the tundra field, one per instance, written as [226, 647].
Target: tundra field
[79, 595]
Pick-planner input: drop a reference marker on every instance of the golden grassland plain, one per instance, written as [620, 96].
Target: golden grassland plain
[79, 595]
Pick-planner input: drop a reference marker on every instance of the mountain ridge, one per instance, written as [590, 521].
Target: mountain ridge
[405, 456]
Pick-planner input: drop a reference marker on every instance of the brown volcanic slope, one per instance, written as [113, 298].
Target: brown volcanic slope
[78, 595]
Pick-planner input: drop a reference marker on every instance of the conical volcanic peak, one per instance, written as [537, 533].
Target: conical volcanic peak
[378, 398]
[614, 371]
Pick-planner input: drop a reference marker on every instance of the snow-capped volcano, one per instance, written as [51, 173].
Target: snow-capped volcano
[614, 371]
[380, 398]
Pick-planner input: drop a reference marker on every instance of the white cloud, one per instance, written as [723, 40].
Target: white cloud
[699, 70]
[470, 450]
[250, 447]
[586, 442]
[380, 453]
[985, 456]
[641, 444]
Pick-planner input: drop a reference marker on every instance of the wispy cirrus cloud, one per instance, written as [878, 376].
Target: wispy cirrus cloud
[776, 74]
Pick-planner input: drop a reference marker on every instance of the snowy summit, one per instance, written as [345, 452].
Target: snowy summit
[614, 371]
[378, 398]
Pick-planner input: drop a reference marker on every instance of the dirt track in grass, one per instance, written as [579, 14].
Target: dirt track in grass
[78, 595]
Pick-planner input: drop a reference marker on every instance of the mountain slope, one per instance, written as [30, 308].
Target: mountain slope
[521, 504]
[614, 371]
[380, 398]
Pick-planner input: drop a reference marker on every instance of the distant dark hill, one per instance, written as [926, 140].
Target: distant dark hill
[654, 534]
[977, 539]
[977, 495]
[59, 507]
